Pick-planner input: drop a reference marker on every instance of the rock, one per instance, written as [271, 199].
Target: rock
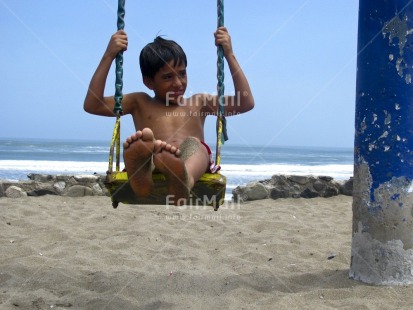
[277, 193]
[319, 186]
[59, 187]
[65, 178]
[238, 194]
[41, 177]
[256, 191]
[97, 190]
[86, 178]
[79, 191]
[330, 192]
[299, 179]
[325, 178]
[252, 191]
[15, 192]
[308, 193]
[347, 188]
[279, 179]
[41, 192]
[295, 191]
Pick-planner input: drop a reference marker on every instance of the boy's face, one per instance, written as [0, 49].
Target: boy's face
[169, 83]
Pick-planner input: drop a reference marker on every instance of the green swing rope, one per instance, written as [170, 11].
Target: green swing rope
[119, 62]
[221, 121]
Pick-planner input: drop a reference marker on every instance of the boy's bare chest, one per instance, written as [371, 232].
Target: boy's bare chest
[170, 116]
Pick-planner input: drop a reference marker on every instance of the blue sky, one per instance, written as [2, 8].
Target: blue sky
[299, 57]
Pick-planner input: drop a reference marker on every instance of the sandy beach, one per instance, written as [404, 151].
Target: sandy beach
[79, 253]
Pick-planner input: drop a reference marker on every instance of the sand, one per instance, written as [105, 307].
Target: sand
[78, 253]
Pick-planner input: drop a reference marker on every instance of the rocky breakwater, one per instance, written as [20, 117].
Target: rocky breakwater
[293, 186]
[279, 186]
[63, 185]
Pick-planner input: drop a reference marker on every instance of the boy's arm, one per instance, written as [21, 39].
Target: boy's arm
[95, 102]
[243, 99]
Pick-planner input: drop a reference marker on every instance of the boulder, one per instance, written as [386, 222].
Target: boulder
[330, 192]
[44, 178]
[299, 179]
[276, 193]
[41, 192]
[79, 191]
[59, 187]
[347, 188]
[252, 191]
[308, 193]
[15, 192]
[86, 178]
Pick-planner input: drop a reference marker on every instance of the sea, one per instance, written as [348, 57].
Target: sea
[239, 163]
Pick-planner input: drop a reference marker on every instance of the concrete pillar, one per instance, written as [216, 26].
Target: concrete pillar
[382, 241]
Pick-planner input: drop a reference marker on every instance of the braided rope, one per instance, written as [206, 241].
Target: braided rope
[117, 110]
[221, 123]
[119, 62]
[220, 60]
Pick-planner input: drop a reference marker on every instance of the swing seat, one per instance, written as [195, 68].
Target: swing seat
[208, 191]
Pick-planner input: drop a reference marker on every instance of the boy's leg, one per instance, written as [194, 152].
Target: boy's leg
[184, 170]
[196, 159]
[138, 150]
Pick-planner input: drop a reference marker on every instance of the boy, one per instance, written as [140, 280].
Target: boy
[170, 128]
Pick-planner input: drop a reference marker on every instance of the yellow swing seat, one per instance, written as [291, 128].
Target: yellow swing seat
[208, 191]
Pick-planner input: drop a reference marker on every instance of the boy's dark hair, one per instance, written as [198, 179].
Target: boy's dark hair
[156, 54]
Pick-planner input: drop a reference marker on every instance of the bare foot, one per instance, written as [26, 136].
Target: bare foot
[137, 153]
[167, 161]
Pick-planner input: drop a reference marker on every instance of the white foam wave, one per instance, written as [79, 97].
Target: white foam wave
[46, 166]
[268, 170]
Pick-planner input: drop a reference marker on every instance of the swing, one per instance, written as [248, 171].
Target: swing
[209, 190]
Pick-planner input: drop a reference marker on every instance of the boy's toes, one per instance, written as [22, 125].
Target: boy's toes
[132, 138]
[172, 149]
[159, 145]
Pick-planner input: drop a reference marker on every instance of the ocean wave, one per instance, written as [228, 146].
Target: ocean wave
[265, 170]
[23, 167]
[336, 171]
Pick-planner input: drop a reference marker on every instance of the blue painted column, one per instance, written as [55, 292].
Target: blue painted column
[382, 240]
